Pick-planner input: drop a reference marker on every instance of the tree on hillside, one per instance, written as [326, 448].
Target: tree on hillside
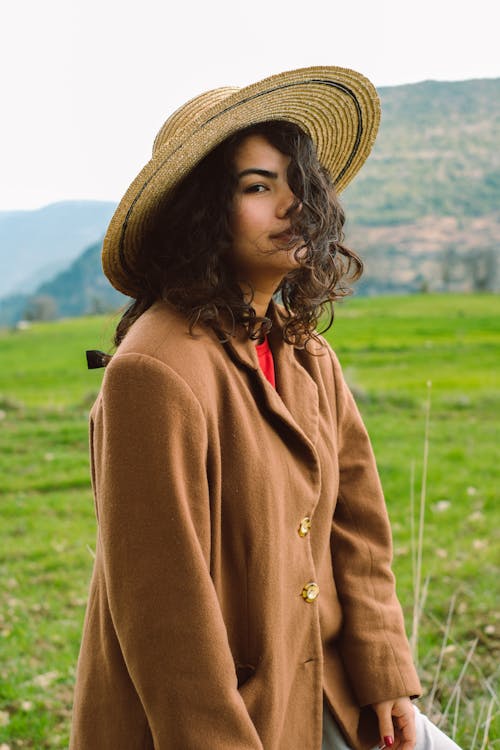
[41, 307]
[482, 267]
[451, 267]
[98, 305]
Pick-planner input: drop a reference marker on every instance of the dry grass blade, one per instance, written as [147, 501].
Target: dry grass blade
[446, 635]
[476, 728]
[487, 724]
[460, 678]
[417, 604]
[455, 715]
[412, 526]
[487, 683]
[423, 598]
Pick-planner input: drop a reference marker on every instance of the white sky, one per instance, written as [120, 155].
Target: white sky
[86, 84]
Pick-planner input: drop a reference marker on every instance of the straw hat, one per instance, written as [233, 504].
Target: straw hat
[337, 107]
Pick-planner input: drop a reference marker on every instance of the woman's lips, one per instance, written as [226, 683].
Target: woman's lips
[286, 236]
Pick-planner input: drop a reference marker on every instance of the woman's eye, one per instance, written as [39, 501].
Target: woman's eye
[257, 188]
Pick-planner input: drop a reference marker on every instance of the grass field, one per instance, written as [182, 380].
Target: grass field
[391, 348]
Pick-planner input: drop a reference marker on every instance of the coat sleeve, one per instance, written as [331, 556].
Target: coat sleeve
[373, 643]
[154, 526]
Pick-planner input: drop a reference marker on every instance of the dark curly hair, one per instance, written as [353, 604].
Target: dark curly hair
[187, 261]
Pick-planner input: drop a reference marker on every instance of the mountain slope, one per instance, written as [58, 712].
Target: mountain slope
[34, 245]
[82, 288]
[437, 153]
[424, 212]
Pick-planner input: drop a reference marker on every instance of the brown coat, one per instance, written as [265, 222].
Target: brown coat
[197, 635]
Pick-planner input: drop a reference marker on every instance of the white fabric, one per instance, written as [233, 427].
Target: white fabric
[429, 737]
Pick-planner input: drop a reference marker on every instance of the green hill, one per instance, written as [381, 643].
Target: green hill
[424, 212]
[83, 288]
[437, 154]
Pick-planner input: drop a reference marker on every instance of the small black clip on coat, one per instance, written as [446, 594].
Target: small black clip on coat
[96, 358]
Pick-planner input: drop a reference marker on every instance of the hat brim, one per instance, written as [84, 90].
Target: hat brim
[337, 107]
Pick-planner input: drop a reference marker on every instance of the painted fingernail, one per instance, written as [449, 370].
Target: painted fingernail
[389, 740]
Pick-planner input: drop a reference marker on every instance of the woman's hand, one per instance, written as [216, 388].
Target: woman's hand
[396, 721]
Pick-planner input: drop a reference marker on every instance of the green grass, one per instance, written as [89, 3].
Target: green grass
[390, 348]
[396, 352]
[45, 366]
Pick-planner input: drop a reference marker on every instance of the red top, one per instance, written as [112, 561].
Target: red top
[266, 361]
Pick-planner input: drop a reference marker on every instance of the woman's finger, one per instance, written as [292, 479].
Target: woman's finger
[404, 720]
[385, 725]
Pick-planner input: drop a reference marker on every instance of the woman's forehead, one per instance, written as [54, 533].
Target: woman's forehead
[255, 151]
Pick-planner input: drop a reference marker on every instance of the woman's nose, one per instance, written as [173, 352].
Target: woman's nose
[287, 204]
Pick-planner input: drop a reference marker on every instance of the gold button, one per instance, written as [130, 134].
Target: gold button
[310, 592]
[304, 527]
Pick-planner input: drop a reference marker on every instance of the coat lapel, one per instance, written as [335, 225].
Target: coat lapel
[295, 399]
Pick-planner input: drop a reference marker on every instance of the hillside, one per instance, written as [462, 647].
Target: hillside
[81, 289]
[437, 153]
[424, 212]
[35, 245]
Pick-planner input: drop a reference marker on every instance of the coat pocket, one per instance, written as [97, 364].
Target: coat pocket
[244, 672]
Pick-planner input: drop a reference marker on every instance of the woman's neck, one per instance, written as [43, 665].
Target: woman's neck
[260, 295]
[260, 303]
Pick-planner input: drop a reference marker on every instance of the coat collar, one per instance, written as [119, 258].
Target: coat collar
[295, 399]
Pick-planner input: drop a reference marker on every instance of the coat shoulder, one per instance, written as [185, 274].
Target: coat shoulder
[162, 335]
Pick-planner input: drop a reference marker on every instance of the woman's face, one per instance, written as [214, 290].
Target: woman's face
[260, 225]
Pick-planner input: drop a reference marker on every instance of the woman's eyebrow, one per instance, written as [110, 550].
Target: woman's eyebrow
[261, 172]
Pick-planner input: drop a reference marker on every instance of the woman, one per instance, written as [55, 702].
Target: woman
[242, 596]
